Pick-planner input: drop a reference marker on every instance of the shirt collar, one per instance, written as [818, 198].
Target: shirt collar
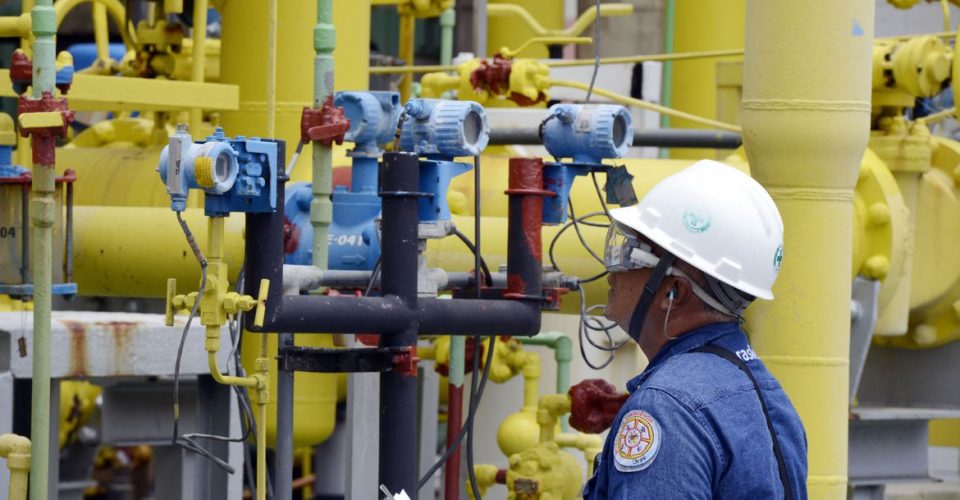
[688, 342]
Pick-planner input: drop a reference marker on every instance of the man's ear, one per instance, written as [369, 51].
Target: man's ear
[678, 293]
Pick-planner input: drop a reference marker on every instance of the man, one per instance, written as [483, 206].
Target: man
[705, 419]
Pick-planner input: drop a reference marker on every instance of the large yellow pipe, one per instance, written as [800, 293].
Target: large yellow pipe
[806, 111]
[702, 25]
[244, 54]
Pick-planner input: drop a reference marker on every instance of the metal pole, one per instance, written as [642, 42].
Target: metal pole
[42, 217]
[321, 208]
[283, 464]
[480, 28]
[400, 180]
[664, 138]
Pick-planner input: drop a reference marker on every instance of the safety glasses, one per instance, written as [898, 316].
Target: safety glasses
[623, 251]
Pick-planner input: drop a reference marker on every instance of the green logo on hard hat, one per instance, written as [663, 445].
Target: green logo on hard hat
[778, 257]
[695, 221]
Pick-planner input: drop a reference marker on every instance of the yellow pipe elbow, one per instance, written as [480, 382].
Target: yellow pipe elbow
[15, 26]
[16, 449]
[114, 8]
[590, 15]
[549, 410]
[507, 10]
[257, 381]
[486, 477]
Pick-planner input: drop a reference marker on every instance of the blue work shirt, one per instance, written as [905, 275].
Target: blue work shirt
[693, 427]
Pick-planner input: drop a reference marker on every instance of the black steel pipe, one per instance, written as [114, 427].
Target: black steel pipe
[283, 463]
[661, 138]
[399, 181]
[263, 254]
[479, 317]
[384, 315]
[342, 314]
[399, 314]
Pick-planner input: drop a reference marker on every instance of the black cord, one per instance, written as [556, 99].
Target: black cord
[596, 186]
[473, 249]
[472, 474]
[189, 441]
[596, 52]
[471, 413]
[373, 276]
[556, 237]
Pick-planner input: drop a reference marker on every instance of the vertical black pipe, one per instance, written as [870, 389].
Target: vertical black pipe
[399, 183]
[263, 252]
[283, 465]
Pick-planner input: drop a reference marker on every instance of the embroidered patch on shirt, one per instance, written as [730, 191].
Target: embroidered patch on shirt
[638, 441]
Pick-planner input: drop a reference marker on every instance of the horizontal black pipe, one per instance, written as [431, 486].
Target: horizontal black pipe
[388, 315]
[660, 138]
[479, 317]
[343, 314]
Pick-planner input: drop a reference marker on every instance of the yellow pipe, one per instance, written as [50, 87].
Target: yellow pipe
[675, 56]
[263, 397]
[576, 40]
[15, 26]
[16, 449]
[704, 54]
[806, 120]
[531, 379]
[938, 117]
[114, 7]
[549, 411]
[511, 31]
[227, 379]
[271, 68]
[212, 315]
[244, 42]
[630, 101]
[584, 21]
[408, 24]
[702, 26]
[590, 444]
[101, 32]
[198, 64]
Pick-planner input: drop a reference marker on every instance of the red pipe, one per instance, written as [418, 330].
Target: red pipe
[451, 472]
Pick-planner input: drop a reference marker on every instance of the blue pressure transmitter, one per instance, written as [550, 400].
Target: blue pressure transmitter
[586, 135]
[442, 130]
[237, 175]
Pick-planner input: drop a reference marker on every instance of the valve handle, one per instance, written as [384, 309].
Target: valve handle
[261, 303]
[171, 292]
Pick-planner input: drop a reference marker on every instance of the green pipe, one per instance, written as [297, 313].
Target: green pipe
[321, 208]
[447, 22]
[562, 352]
[666, 89]
[42, 219]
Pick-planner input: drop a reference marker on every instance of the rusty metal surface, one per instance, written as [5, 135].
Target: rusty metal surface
[91, 344]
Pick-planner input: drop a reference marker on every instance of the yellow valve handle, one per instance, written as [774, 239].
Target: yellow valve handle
[171, 293]
[261, 303]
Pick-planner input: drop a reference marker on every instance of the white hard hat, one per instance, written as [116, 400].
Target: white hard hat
[717, 219]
